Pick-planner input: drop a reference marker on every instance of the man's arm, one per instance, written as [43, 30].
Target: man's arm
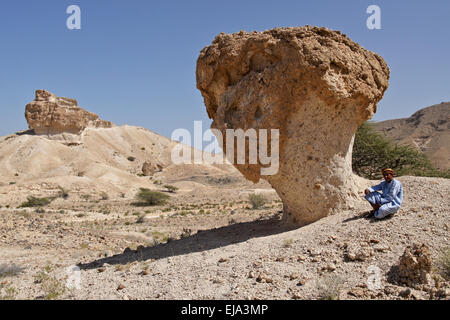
[378, 187]
[392, 192]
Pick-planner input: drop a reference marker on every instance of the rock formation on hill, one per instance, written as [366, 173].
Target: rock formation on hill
[49, 115]
[313, 84]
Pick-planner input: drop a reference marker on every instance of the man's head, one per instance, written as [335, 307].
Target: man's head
[388, 174]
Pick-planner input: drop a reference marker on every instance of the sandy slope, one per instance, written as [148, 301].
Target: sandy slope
[98, 162]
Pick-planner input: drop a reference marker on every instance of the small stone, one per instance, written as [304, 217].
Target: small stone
[120, 268]
[301, 282]
[405, 293]
[102, 269]
[389, 290]
[127, 250]
[381, 248]
[293, 276]
[264, 278]
[146, 271]
[120, 287]
[331, 267]
[301, 258]
[221, 260]
[356, 292]
[296, 296]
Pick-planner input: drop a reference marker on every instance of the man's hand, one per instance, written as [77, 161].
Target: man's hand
[367, 191]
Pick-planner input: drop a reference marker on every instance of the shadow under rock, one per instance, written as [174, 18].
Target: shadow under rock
[203, 240]
[26, 132]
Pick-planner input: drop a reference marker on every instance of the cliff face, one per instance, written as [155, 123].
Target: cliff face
[427, 129]
[49, 115]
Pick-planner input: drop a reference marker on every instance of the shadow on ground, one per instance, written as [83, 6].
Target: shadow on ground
[203, 240]
[368, 215]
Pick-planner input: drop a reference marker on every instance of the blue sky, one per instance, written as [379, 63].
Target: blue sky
[134, 61]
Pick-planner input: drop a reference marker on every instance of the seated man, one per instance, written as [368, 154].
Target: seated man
[390, 200]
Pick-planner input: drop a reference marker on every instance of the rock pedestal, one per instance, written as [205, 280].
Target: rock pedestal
[313, 84]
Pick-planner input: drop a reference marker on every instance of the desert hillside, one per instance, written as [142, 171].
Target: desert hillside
[102, 160]
[427, 129]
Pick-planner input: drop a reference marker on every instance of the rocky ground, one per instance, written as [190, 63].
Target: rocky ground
[208, 243]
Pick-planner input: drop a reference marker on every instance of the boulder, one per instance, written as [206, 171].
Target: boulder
[415, 265]
[316, 86]
[51, 115]
[149, 168]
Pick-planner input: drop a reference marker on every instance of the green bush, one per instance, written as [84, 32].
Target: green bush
[147, 197]
[35, 202]
[372, 152]
[257, 200]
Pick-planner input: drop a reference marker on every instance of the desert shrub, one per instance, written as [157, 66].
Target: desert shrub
[51, 286]
[330, 288]
[104, 196]
[140, 219]
[63, 193]
[9, 270]
[372, 152]
[7, 292]
[287, 243]
[148, 197]
[131, 159]
[170, 188]
[257, 200]
[444, 263]
[35, 202]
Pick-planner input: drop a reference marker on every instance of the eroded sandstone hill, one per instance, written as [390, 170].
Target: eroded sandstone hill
[427, 129]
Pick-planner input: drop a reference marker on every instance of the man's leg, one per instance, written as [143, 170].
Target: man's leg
[374, 198]
[386, 210]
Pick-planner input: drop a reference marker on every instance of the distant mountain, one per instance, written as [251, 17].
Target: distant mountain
[428, 130]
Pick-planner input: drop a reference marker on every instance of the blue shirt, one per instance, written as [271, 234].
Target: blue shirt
[392, 192]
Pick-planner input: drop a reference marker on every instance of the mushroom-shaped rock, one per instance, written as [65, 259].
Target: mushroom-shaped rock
[49, 115]
[314, 85]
